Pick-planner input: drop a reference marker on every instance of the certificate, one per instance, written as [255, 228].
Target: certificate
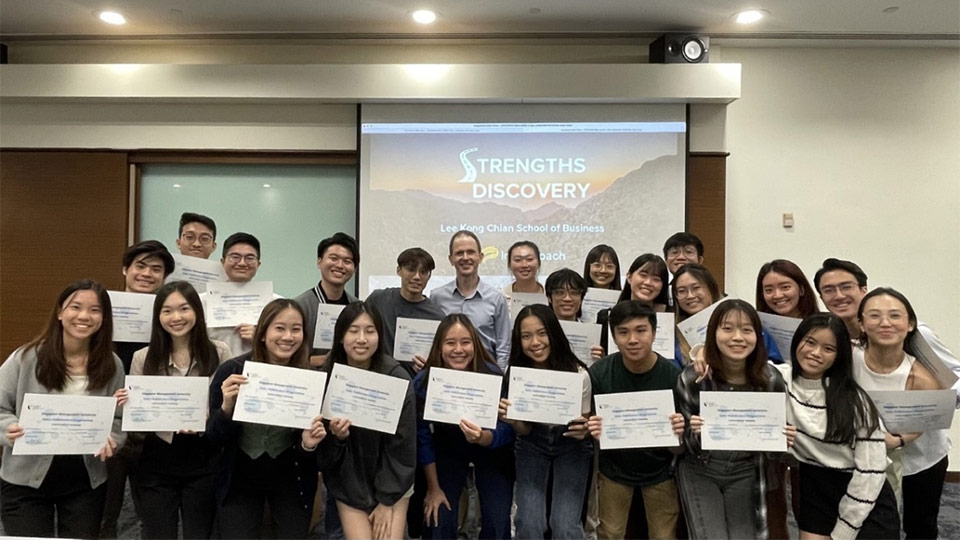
[55, 424]
[932, 361]
[159, 403]
[545, 395]
[749, 421]
[520, 300]
[596, 300]
[369, 400]
[453, 395]
[413, 337]
[229, 303]
[582, 336]
[279, 395]
[781, 329]
[132, 316]
[327, 315]
[196, 271]
[636, 420]
[912, 411]
[694, 328]
[663, 343]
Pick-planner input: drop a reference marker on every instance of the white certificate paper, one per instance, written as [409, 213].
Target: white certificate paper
[932, 361]
[545, 395]
[159, 403]
[520, 300]
[55, 424]
[596, 300]
[912, 411]
[132, 316]
[369, 400]
[749, 421]
[636, 420]
[196, 271]
[663, 343]
[279, 395]
[229, 303]
[694, 329]
[327, 315]
[781, 329]
[582, 336]
[453, 395]
[413, 337]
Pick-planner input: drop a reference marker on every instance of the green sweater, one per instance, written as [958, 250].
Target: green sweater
[638, 467]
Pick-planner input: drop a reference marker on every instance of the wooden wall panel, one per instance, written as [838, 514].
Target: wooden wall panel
[63, 217]
[706, 207]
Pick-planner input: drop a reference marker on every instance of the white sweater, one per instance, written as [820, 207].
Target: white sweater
[867, 460]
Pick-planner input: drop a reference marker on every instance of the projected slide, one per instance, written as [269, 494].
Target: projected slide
[565, 186]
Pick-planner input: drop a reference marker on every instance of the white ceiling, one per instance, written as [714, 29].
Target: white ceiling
[915, 19]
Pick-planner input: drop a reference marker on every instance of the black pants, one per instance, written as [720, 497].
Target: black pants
[119, 468]
[65, 496]
[921, 501]
[167, 497]
[264, 480]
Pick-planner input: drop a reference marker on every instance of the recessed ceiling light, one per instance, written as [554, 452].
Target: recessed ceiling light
[750, 16]
[176, 186]
[112, 17]
[424, 16]
[266, 185]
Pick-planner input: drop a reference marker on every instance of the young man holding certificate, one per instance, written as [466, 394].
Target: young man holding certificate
[636, 368]
[337, 259]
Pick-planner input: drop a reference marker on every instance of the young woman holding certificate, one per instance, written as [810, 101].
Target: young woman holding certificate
[369, 473]
[722, 490]
[840, 446]
[647, 280]
[177, 471]
[601, 269]
[260, 463]
[563, 453]
[885, 360]
[73, 356]
[445, 451]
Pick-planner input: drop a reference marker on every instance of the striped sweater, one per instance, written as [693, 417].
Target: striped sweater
[867, 460]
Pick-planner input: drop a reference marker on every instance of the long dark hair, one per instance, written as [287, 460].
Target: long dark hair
[481, 358]
[561, 356]
[301, 357]
[807, 303]
[51, 369]
[338, 354]
[911, 316]
[756, 364]
[701, 274]
[594, 255]
[849, 408]
[655, 266]
[161, 344]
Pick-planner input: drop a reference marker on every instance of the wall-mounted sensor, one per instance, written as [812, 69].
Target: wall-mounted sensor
[788, 220]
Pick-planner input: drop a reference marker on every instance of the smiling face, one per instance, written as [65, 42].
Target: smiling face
[177, 317]
[692, 294]
[566, 303]
[337, 265]
[534, 340]
[841, 293]
[886, 321]
[634, 337]
[782, 294]
[524, 264]
[680, 255]
[81, 315]
[283, 336]
[196, 240]
[603, 272]
[644, 284]
[413, 279]
[465, 256]
[144, 275]
[736, 337]
[360, 340]
[241, 263]
[457, 348]
[816, 353]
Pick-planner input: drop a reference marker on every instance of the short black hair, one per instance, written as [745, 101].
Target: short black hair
[190, 217]
[632, 309]
[149, 248]
[831, 264]
[241, 238]
[416, 258]
[340, 239]
[564, 278]
[681, 239]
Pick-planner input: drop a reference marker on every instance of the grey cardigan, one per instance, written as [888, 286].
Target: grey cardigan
[18, 376]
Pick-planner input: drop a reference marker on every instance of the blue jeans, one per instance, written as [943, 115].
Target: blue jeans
[542, 453]
[720, 495]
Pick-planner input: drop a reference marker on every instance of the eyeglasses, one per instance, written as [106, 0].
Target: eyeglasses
[689, 251]
[235, 258]
[560, 293]
[877, 317]
[602, 266]
[846, 288]
[205, 239]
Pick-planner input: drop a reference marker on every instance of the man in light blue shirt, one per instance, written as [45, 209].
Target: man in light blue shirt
[482, 303]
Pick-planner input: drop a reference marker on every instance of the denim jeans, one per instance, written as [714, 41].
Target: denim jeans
[542, 453]
[720, 495]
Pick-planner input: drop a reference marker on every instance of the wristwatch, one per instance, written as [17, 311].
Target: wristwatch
[902, 442]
